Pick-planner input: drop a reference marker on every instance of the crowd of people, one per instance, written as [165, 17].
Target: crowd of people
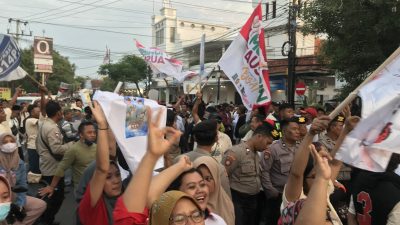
[223, 165]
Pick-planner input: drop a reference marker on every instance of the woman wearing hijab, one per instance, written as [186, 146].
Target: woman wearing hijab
[192, 183]
[5, 199]
[105, 185]
[176, 207]
[219, 201]
[13, 169]
[104, 188]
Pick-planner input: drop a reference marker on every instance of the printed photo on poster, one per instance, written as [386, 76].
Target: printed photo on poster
[136, 119]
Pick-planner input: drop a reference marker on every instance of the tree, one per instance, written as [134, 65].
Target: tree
[79, 82]
[63, 71]
[130, 68]
[108, 84]
[360, 35]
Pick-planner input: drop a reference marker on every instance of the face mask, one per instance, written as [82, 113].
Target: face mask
[4, 210]
[88, 143]
[9, 147]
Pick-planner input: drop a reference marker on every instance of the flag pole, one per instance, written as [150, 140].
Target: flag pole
[373, 75]
[33, 79]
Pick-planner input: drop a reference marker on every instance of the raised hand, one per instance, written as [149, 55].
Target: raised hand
[98, 114]
[18, 90]
[346, 111]
[351, 123]
[199, 96]
[319, 124]
[43, 89]
[321, 163]
[185, 163]
[157, 144]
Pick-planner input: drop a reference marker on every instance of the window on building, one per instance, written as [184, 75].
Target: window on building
[266, 10]
[160, 36]
[274, 9]
[172, 31]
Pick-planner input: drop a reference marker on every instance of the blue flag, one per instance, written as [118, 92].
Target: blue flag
[10, 59]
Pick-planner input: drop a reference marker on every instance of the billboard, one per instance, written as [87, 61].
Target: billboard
[42, 58]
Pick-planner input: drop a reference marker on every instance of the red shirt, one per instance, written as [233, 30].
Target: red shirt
[89, 215]
[123, 217]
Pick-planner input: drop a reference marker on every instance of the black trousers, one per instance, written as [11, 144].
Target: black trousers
[54, 202]
[245, 208]
[273, 209]
[261, 208]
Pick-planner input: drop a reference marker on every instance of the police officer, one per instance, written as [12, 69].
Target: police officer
[275, 167]
[51, 148]
[335, 127]
[242, 165]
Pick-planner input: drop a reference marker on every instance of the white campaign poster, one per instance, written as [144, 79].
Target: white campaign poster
[127, 118]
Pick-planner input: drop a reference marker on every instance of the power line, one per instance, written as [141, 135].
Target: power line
[85, 10]
[49, 10]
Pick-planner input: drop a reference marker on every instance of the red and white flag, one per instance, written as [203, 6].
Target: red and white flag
[382, 89]
[370, 145]
[161, 62]
[245, 62]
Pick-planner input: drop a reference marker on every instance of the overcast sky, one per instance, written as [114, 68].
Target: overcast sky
[124, 19]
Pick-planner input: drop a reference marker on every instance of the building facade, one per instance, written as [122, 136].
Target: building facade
[181, 39]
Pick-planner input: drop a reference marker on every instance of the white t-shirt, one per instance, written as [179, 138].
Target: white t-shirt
[214, 219]
[31, 128]
[334, 216]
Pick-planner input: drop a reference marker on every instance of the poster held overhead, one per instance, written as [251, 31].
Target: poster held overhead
[126, 117]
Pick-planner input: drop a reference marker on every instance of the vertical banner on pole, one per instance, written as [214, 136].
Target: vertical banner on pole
[245, 63]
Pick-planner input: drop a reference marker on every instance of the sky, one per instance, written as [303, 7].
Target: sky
[81, 29]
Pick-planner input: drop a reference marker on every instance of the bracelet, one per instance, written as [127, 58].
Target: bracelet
[103, 128]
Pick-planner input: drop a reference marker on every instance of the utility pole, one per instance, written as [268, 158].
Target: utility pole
[18, 31]
[292, 26]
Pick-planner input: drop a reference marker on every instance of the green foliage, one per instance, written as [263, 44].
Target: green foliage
[79, 82]
[130, 68]
[108, 84]
[63, 71]
[360, 35]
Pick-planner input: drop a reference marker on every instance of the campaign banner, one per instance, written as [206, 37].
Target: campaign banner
[127, 118]
[161, 62]
[10, 59]
[370, 145]
[382, 89]
[245, 62]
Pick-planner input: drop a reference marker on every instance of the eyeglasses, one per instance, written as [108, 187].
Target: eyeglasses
[181, 219]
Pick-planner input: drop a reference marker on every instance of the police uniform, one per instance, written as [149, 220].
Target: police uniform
[242, 165]
[329, 144]
[49, 135]
[275, 169]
